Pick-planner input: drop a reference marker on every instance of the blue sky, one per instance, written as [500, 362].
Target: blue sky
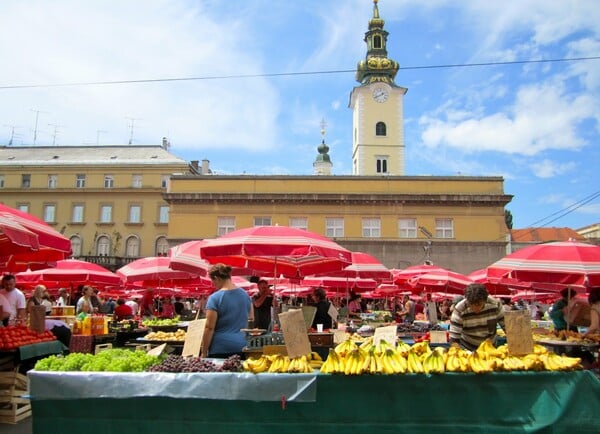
[536, 124]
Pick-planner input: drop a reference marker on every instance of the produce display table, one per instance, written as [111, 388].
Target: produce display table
[525, 402]
[30, 352]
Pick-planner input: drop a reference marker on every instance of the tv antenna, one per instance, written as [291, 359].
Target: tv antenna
[12, 134]
[35, 130]
[56, 127]
[131, 123]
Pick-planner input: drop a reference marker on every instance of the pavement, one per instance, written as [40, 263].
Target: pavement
[23, 427]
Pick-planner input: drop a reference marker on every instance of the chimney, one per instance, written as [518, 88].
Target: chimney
[194, 164]
[205, 167]
[165, 144]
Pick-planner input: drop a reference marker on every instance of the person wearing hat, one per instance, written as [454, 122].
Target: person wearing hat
[476, 318]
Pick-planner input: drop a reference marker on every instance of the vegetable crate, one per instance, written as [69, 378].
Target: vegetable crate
[13, 407]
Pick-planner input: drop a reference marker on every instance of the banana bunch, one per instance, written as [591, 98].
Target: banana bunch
[256, 365]
[403, 348]
[422, 349]
[434, 362]
[382, 346]
[354, 362]
[512, 363]
[334, 364]
[415, 366]
[554, 362]
[345, 347]
[457, 359]
[479, 364]
[487, 350]
[315, 360]
[390, 362]
[367, 344]
[533, 362]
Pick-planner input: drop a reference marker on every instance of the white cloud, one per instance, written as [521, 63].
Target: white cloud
[542, 117]
[549, 169]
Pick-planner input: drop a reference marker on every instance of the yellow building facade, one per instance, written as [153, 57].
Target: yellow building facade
[107, 200]
[457, 222]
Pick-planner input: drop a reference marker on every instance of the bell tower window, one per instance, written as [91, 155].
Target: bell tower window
[382, 164]
[380, 129]
[377, 41]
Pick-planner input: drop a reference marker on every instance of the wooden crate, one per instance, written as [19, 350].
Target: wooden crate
[13, 407]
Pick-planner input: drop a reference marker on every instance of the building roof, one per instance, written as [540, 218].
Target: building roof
[82, 155]
[544, 235]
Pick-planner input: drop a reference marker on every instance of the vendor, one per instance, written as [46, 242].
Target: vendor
[475, 318]
[322, 316]
[59, 329]
[263, 301]
[559, 309]
[594, 301]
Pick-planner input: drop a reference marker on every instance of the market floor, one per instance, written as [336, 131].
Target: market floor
[23, 427]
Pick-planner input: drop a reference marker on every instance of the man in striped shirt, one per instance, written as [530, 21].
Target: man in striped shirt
[475, 318]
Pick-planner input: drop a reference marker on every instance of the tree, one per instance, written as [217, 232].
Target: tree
[508, 219]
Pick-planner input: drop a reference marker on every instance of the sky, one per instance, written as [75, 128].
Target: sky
[247, 83]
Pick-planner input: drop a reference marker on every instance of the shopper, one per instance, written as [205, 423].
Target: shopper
[322, 316]
[84, 304]
[227, 313]
[594, 301]
[122, 311]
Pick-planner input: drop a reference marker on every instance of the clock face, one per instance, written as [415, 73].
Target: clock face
[380, 94]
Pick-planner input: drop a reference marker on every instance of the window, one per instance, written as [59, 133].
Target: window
[103, 245]
[371, 228]
[444, 228]
[76, 246]
[262, 221]
[135, 214]
[136, 181]
[52, 181]
[132, 247]
[109, 181]
[106, 214]
[377, 41]
[164, 181]
[1, 181]
[380, 129]
[162, 246]
[163, 214]
[225, 225]
[382, 166]
[334, 227]
[50, 213]
[77, 216]
[25, 181]
[80, 181]
[407, 228]
[24, 207]
[299, 223]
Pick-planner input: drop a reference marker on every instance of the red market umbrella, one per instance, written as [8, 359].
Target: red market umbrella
[364, 266]
[563, 263]
[340, 283]
[69, 272]
[186, 257]
[52, 245]
[156, 269]
[440, 280]
[401, 277]
[277, 250]
[16, 238]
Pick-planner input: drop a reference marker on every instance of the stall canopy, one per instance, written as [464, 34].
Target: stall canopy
[69, 273]
[277, 251]
[556, 264]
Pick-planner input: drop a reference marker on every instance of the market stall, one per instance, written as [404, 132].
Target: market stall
[297, 403]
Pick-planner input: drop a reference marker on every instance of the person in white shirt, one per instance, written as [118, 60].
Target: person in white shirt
[16, 300]
[63, 297]
[133, 305]
[4, 310]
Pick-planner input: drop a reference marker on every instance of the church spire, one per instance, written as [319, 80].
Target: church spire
[377, 67]
[322, 164]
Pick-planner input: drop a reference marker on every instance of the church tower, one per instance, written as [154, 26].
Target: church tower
[377, 108]
[322, 164]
